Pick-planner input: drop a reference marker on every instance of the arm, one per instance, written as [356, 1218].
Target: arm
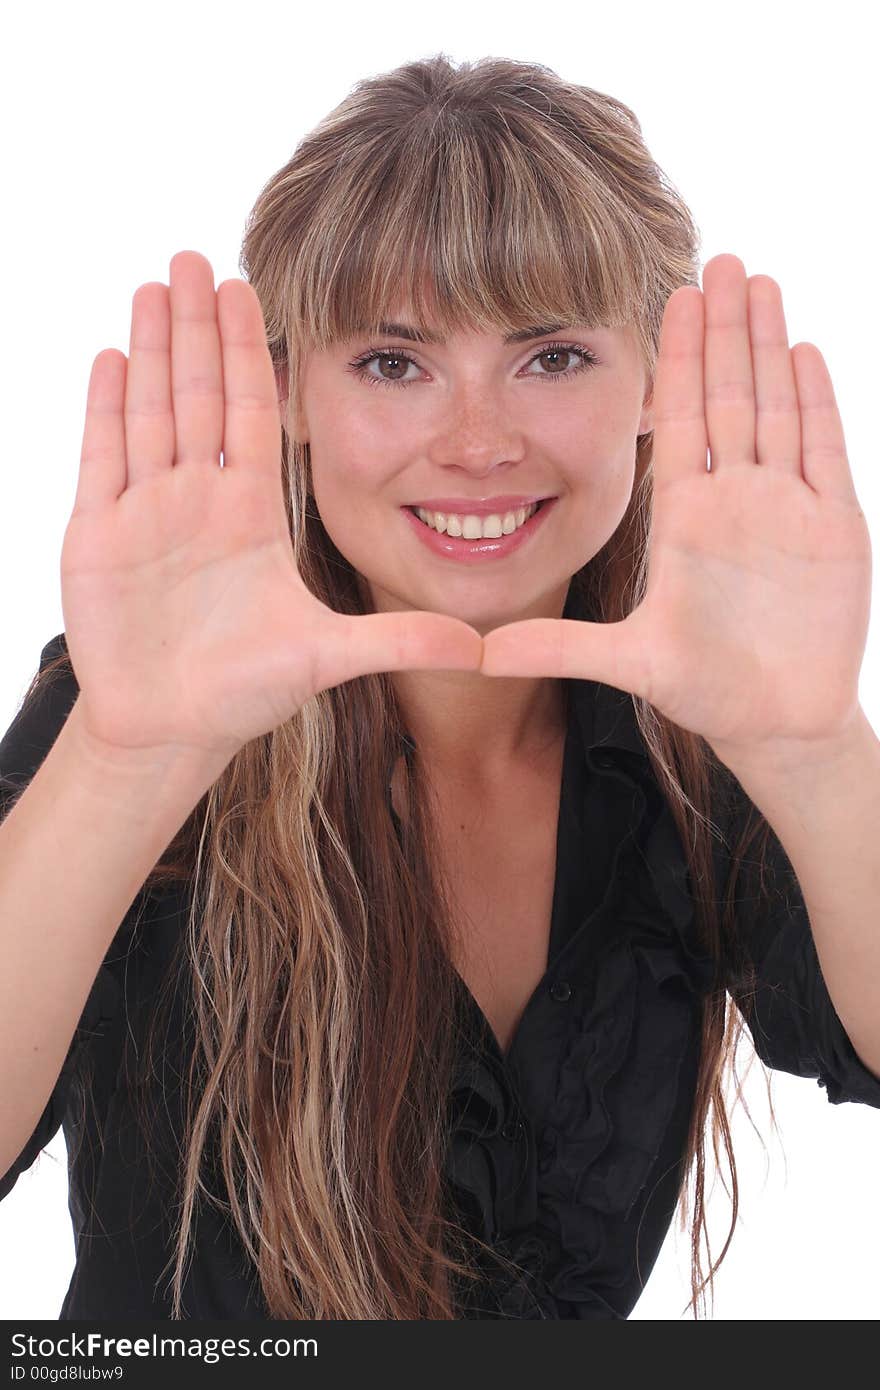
[825, 812]
[74, 851]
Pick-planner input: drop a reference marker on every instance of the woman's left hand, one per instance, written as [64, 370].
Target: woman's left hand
[755, 617]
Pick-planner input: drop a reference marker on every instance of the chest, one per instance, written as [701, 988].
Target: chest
[500, 866]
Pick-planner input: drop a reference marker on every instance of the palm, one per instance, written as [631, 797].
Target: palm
[748, 629]
[755, 616]
[187, 621]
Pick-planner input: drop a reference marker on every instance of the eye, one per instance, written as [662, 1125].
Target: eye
[585, 359]
[360, 365]
[404, 360]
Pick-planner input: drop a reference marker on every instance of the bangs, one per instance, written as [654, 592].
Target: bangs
[467, 223]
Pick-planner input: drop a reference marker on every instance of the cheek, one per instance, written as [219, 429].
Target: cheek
[343, 519]
[352, 479]
[601, 490]
[350, 460]
[614, 492]
[595, 445]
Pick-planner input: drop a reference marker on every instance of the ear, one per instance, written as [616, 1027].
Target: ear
[646, 419]
[296, 423]
[281, 388]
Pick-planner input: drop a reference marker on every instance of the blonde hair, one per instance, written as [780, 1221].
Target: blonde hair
[320, 940]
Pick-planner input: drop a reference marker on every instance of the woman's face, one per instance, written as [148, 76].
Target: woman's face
[477, 418]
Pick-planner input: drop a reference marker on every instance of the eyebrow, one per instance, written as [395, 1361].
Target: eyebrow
[416, 335]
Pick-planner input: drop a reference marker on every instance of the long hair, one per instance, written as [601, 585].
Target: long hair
[320, 938]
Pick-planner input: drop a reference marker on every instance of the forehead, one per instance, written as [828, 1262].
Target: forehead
[403, 325]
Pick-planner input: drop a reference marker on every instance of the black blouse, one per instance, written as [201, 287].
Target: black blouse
[565, 1153]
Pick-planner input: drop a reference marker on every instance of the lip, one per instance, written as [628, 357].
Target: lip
[486, 547]
[464, 506]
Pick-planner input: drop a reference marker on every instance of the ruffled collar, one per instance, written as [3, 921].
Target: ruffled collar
[580, 1167]
[583, 1163]
[478, 1166]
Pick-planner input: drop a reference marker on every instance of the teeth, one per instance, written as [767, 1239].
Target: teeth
[471, 527]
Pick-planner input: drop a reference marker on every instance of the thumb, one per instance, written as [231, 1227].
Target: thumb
[615, 654]
[358, 645]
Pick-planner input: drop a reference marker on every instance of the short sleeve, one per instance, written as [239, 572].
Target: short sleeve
[23, 748]
[790, 1015]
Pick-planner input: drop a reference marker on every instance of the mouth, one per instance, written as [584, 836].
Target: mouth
[481, 549]
[533, 510]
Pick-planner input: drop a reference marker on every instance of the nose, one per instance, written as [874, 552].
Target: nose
[475, 433]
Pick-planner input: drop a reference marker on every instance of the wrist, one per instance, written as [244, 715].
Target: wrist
[191, 770]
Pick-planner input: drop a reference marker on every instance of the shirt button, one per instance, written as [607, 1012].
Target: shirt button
[512, 1129]
[560, 990]
[547, 1149]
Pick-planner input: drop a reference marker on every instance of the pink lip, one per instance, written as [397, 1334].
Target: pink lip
[462, 506]
[482, 550]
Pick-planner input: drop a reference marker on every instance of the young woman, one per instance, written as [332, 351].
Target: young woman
[390, 853]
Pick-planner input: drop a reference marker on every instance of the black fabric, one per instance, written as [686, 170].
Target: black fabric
[565, 1153]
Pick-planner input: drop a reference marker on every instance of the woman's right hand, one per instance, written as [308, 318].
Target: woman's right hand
[187, 622]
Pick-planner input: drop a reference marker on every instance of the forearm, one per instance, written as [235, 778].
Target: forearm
[825, 810]
[75, 850]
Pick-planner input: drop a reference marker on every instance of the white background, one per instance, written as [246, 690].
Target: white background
[132, 132]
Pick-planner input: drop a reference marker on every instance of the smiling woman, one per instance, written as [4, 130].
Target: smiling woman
[433, 993]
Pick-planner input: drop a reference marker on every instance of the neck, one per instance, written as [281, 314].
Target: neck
[475, 729]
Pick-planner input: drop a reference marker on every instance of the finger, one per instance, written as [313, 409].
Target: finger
[680, 442]
[729, 388]
[252, 424]
[149, 413]
[196, 361]
[102, 468]
[824, 457]
[612, 653]
[778, 421]
[412, 641]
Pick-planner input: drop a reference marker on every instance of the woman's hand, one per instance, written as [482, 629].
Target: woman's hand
[755, 618]
[188, 624]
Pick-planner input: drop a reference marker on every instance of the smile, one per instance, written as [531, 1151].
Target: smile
[478, 547]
